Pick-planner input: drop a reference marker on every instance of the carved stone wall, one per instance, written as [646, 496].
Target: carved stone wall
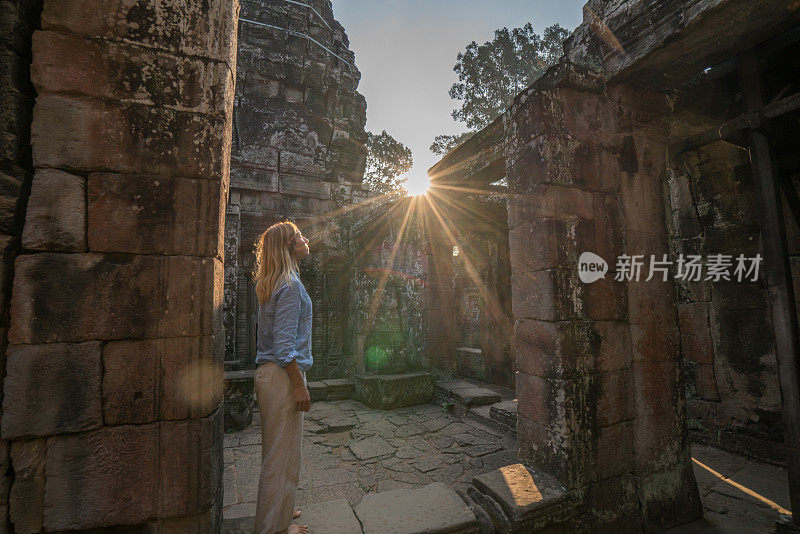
[298, 154]
[389, 289]
[482, 286]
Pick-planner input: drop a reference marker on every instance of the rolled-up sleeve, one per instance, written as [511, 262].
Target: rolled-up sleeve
[287, 315]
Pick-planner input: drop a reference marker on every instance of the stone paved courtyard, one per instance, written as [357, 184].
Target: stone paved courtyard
[350, 450]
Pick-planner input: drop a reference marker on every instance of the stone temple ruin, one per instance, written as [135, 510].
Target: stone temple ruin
[146, 143]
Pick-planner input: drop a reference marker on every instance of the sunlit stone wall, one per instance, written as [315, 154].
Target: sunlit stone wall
[391, 277]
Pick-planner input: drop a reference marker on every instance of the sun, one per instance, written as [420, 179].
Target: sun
[417, 184]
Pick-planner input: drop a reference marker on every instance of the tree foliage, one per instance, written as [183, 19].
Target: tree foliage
[387, 160]
[492, 74]
[442, 144]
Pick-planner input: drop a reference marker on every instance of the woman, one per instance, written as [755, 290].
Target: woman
[283, 355]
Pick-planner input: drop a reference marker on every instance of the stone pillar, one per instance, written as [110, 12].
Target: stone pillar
[116, 339]
[665, 481]
[598, 383]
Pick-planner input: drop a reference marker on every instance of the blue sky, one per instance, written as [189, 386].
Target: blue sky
[406, 49]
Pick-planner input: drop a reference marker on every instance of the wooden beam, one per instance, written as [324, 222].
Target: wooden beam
[778, 277]
[732, 130]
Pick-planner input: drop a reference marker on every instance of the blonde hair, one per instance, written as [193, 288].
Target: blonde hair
[275, 259]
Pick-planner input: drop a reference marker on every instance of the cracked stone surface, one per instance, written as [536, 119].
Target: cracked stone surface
[412, 447]
[383, 450]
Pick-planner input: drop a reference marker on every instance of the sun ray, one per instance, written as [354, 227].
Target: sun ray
[468, 190]
[315, 220]
[453, 203]
[378, 235]
[744, 489]
[378, 294]
[495, 308]
[351, 207]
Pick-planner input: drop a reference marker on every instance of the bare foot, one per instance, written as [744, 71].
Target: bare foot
[297, 529]
[296, 514]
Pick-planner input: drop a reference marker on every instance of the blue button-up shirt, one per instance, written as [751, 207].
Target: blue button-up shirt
[284, 327]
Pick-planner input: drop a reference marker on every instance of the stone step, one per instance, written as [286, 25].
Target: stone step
[482, 415]
[339, 389]
[505, 412]
[317, 390]
[329, 517]
[522, 499]
[464, 395]
[386, 392]
[432, 509]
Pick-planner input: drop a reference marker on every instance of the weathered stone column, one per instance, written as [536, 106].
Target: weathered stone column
[113, 386]
[598, 383]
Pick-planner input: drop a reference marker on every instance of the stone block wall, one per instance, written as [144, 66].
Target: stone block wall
[599, 379]
[113, 380]
[727, 344]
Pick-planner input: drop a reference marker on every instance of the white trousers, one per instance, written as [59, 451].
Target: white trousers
[281, 439]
